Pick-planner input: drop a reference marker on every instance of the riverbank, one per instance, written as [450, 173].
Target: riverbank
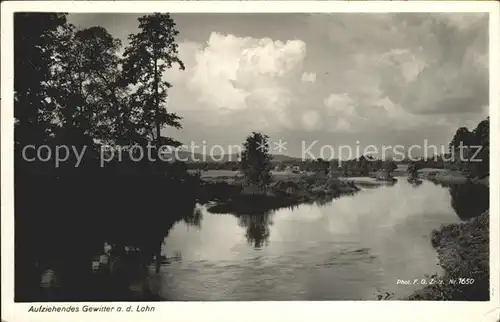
[133, 209]
[283, 192]
[368, 182]
[463, 252]
[445, 176]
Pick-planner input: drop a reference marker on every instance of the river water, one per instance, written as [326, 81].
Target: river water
[349, 249]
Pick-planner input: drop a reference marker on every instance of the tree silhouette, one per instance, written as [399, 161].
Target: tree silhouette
[150, 52]
[323, 165]
[481, 137]
[412, 171]
[72, 89]
[462, 137]
[477, 149]
[34, 49]
[256, 228]
[256, 160]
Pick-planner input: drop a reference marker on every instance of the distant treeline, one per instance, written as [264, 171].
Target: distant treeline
[362, 165]
[474, 160]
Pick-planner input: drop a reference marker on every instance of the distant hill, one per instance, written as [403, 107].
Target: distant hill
[187, 156]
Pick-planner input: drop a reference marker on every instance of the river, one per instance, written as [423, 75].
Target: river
[349, 249]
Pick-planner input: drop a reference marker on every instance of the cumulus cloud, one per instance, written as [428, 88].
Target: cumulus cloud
[351, 114]
[311, 120]
[308, 77]
[378, 72]
[395, 77]
[232, 71]
[404, 71]
[234, 74]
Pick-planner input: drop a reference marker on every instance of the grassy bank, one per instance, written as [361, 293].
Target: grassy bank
[445, 176]
[368, 182]
[234, 197]
[252, 204]
[463, 251]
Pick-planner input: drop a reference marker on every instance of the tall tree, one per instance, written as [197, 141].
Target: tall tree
[71, 89]
[256, 160]
[481, 162]
[101, 84]
[412, 171]
[151, 52]
[333, 168]
[364, 165]
[322, 165]
[34, 50]
[35, 39]
[462, 137]
[474, 163]
[85, 83]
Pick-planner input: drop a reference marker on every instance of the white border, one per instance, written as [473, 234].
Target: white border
[251, 311]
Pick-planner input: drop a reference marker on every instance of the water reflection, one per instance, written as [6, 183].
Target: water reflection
[340, 250]
[115, 271]
[256, 228]
[469, 200]
[346, 249]
[194, 218]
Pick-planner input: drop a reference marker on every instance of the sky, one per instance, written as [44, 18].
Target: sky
[335, 79]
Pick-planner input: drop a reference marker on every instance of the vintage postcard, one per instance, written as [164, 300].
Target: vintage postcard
[232, 161]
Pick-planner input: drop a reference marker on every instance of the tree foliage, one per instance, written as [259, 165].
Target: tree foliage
[256, 160]
[74, 89]
[151, 52]
[474, 156]
[412, 171]
[34, 50]
[323, 165]
[462, 137]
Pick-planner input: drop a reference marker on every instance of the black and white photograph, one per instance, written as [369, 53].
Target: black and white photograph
[250, 156]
